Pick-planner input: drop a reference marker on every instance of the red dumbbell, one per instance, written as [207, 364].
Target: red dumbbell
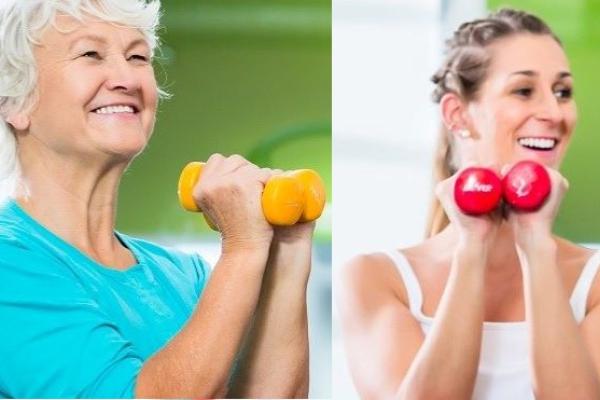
[526, 186]
[477, 190]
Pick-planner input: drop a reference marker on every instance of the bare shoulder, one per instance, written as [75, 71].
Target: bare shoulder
[380, 333]
[370, 271]
[572, 253]
[574, 257]
[368, 281]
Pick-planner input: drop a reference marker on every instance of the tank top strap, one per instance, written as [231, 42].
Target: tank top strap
[582, 286]
[413, 288]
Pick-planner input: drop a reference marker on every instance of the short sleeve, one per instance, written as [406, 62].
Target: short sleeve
[203, 270]
[55, 340]
[187, 271]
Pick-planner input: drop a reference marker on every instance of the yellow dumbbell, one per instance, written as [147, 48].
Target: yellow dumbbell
[294, 196]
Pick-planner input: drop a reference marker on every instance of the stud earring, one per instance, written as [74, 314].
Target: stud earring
[464, 133]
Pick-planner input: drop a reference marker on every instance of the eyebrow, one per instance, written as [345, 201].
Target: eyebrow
[560, 75]
[99, 39]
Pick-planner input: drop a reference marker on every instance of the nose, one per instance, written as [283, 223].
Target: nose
[549, 108]
[122, 76]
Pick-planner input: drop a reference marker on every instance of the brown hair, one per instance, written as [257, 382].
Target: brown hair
[463, 71]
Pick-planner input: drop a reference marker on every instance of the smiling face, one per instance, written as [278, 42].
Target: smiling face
[524, 108]
[97, 94]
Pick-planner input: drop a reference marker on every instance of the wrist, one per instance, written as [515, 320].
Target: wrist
[473, 245]
[286, 242]
[533, 248]
[246, 263]
[290, 261]
[300, 234]
[290, 254]
[534, 239]
[245, 248]
[470, 256]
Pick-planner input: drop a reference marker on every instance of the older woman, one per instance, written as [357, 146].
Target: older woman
[91, 312]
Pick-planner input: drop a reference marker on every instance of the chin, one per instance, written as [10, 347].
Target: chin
[125, 149]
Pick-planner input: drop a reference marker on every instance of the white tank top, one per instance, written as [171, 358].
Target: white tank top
[504, 359]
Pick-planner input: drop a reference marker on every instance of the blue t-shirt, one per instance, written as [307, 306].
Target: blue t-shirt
[70, 327]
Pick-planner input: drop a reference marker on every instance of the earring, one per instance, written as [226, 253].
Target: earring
[464, 133]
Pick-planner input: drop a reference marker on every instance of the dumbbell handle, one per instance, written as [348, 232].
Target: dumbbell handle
[288, 198]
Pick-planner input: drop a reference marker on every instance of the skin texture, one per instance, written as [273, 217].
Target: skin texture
[72, 161]
[483, 268]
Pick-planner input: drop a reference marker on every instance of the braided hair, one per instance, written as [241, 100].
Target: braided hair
[462, 72]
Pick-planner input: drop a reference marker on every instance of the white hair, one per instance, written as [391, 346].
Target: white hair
[22, 23]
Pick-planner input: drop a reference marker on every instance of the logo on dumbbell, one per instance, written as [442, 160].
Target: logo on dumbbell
[473, 185]
[522, 186]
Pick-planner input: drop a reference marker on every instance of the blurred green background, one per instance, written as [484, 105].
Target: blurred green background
[247, 77]
[576, 23]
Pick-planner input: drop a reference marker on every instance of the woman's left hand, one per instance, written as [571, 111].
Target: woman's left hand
[291, 249]
[532, 226]
[300, 232]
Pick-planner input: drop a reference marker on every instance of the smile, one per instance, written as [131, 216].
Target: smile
[536, 143]
[117, 109]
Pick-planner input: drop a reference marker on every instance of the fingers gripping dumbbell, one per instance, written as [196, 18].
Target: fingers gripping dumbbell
[288, 198]
[525, 187]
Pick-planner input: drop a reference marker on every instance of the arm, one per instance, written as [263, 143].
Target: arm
[274, 360]
[449, 355]
[561, 365]
[198, 361]
[400, 362]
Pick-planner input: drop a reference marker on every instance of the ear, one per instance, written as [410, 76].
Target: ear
[453, 113]
[19, 121]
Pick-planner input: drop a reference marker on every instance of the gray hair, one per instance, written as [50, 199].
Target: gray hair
[22, 23]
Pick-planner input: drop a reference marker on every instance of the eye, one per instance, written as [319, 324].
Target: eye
[564, 93]
[523, 92]
[91, 54]
[139, 57]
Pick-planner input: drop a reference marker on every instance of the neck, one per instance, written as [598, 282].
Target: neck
[75, 201]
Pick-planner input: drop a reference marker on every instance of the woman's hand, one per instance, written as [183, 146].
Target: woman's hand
[472, 229]
[229, 193]
[291, 248]
[301, 232]
[274, 359]
[531, 228]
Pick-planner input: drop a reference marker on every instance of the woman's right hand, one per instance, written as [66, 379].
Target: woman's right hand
[229, 193]
[471, 228]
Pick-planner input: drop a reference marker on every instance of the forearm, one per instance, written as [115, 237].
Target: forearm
[197, 362]
[446, 364]
[561, 365]
[274, 361]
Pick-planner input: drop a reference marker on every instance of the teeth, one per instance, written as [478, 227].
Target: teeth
[114, 110]
[538, 143]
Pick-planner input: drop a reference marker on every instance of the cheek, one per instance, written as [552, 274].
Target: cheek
[150, 91]
[511, 115]
[66, 91]
[508, 117]
[571, 118]
[490, 123]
